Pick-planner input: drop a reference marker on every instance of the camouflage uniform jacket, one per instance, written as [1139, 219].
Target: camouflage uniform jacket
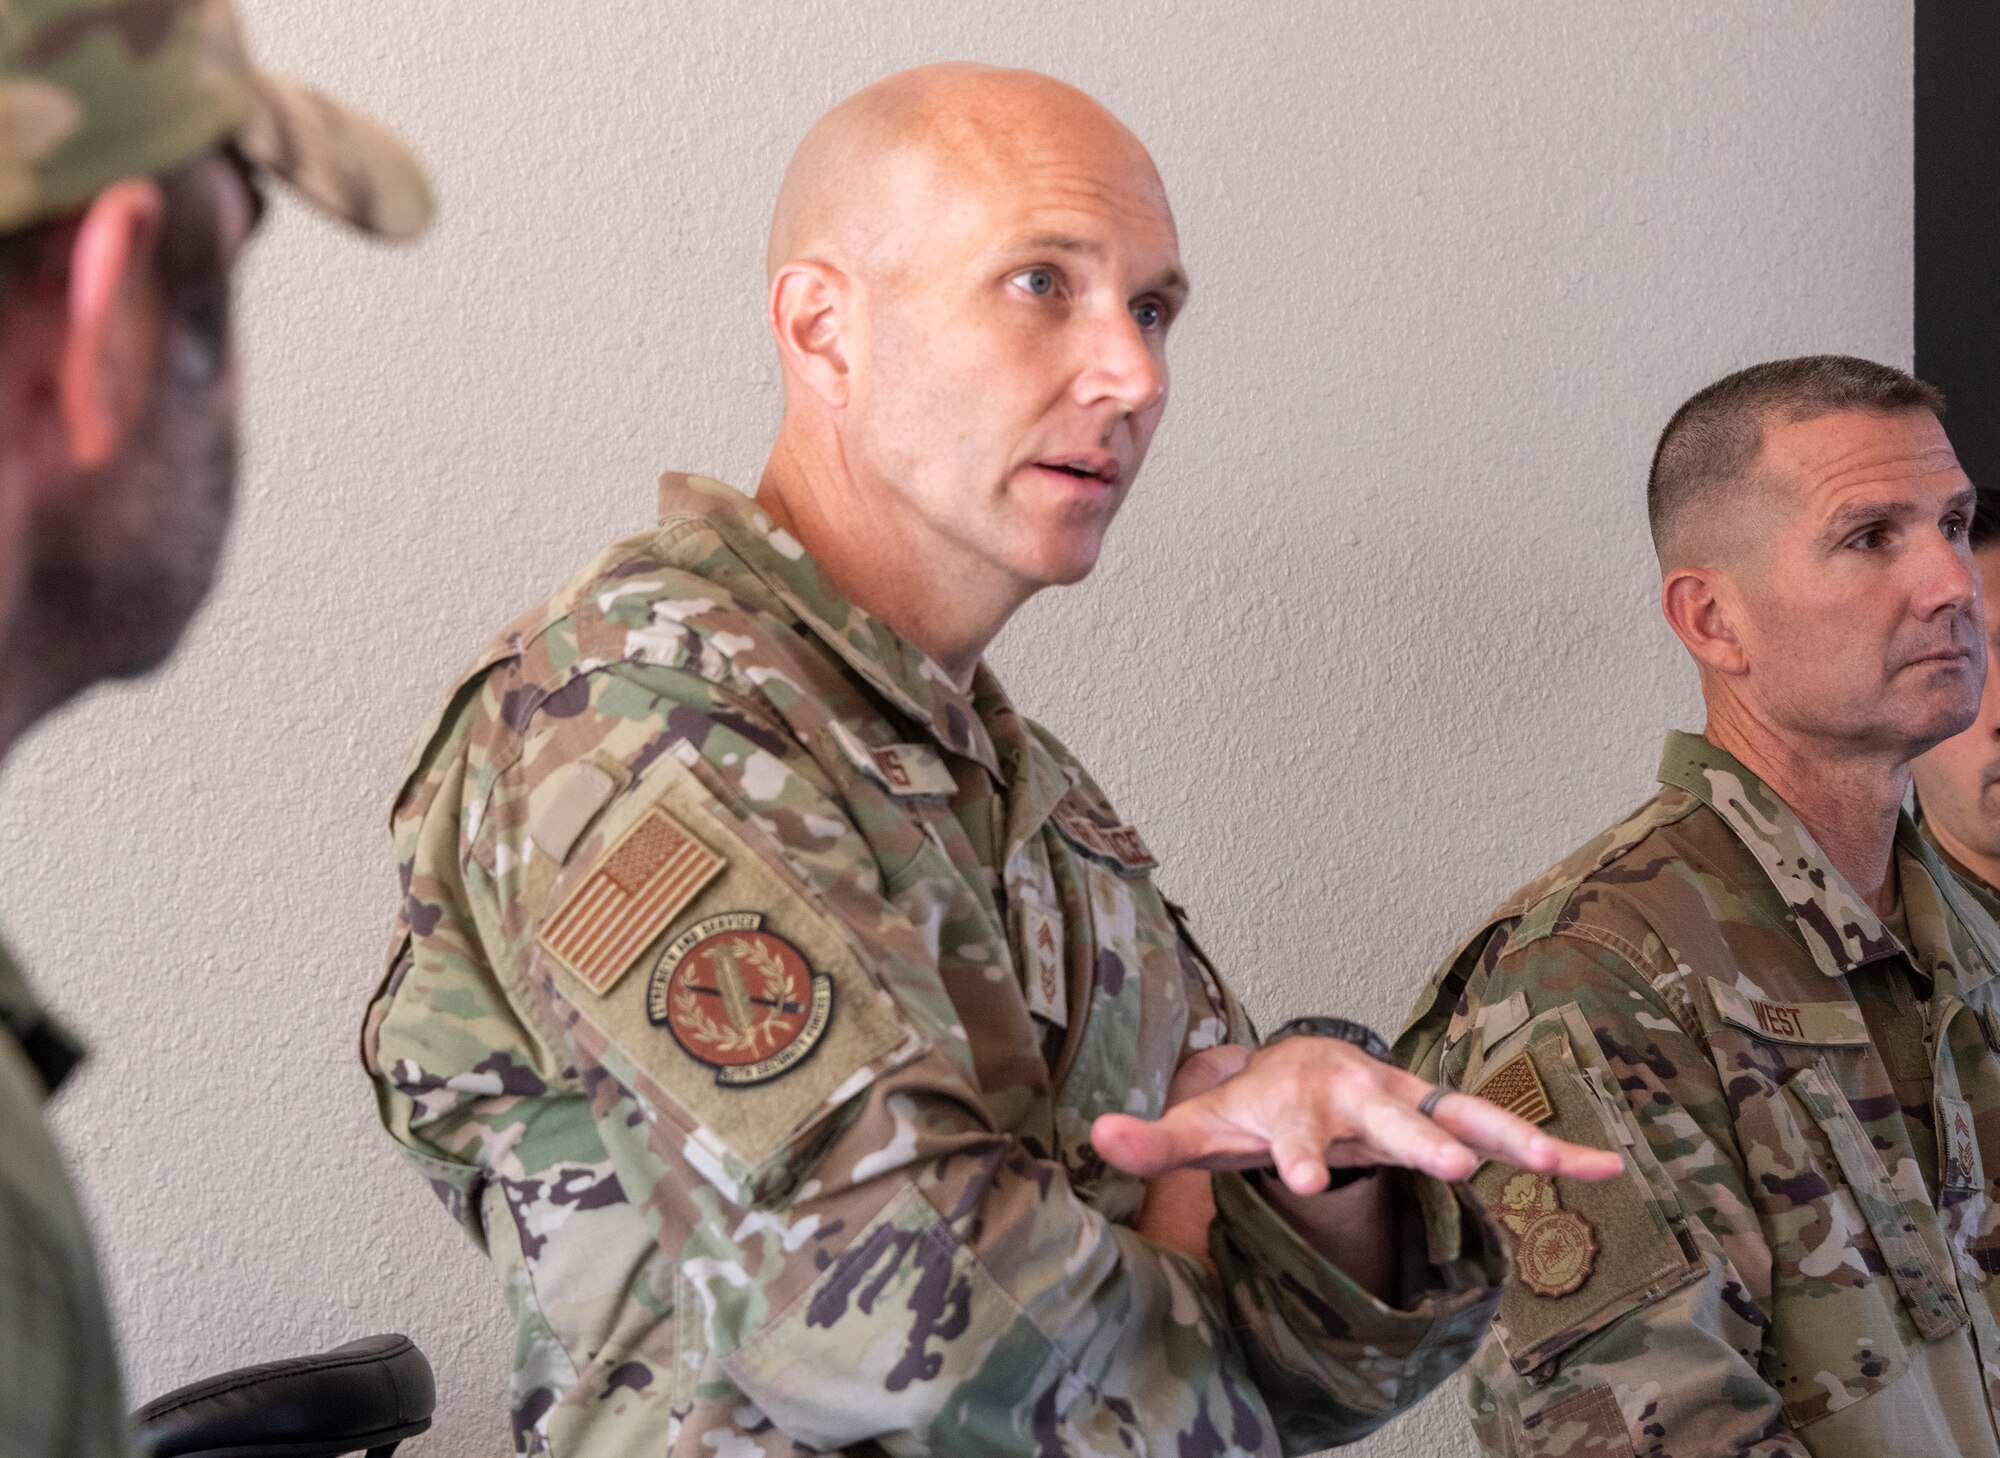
[1773, 1273]
[751, 1001]
[1986, 894]
[60, 1392]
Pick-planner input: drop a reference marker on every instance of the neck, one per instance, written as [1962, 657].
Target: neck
[1848, 801]
[885, 559]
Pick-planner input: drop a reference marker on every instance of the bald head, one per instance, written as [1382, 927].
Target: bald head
[874, 170]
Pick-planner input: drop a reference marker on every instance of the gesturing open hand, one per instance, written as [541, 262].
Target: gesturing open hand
[1307, 1104]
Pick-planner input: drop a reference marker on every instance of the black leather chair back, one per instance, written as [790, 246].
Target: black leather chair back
[364, 1397]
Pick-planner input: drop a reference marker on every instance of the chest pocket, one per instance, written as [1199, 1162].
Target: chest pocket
[1859, 1276]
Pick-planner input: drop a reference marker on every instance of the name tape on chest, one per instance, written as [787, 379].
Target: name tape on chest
[1117, 842]
[901, 769]
[1814, 1024]
[607, 919]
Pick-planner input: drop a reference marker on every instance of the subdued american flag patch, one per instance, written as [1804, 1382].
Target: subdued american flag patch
[1517, 1088]
[639, 886]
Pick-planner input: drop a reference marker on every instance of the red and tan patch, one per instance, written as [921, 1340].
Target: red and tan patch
[739, 999]
[603, 925]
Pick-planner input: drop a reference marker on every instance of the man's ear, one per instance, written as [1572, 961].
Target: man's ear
[810, 311]
[113, 322]
[1701, 607]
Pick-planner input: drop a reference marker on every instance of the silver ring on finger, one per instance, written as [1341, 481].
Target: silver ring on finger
[1428, 1107]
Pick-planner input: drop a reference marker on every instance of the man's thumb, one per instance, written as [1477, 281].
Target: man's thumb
[1133, 1145]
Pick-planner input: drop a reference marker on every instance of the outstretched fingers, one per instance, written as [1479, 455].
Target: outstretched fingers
[1497, 1134]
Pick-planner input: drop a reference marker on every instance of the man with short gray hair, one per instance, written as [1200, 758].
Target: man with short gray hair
[135, 139]
[1763, 985]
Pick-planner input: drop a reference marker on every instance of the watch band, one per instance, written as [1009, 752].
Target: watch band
[1346, 1029]
[1361, 1036]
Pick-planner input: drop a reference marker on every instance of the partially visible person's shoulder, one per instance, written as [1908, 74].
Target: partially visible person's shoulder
[58, 1363]
[1626, 856]
[675, 598]
[1631, 893]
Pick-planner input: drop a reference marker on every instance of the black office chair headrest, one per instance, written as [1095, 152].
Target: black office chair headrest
[369, 1394]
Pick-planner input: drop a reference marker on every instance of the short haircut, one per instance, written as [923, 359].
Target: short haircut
[1705, 455]
[189, 260]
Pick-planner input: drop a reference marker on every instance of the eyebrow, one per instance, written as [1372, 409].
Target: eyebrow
[1860, 513]
[1169, 279]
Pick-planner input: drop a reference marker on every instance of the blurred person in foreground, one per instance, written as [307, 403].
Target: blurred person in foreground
[786, 1015]
[1762, 985]
[1958, 783]
[129, 168]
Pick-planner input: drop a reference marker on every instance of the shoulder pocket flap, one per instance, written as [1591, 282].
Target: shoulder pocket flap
[1815, 1024]
[1932, 1302]
[747, 1014]
[1583, 1254]
[1496, 1020]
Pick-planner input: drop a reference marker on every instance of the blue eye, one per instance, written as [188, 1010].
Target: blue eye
[1149, 315]
[1037, 281]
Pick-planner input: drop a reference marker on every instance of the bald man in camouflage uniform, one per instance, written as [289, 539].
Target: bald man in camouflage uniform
[134, 138]
[770, 998]
[1762, 985]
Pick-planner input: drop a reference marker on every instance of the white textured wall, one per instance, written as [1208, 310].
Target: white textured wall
[1374, 642]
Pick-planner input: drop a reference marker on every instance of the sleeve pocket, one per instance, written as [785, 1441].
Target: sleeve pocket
[1584, 1255]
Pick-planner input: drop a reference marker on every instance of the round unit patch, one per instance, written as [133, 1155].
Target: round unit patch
[739, 999]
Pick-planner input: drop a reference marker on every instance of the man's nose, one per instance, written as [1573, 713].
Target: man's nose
[1121, 365]
[1950, 581]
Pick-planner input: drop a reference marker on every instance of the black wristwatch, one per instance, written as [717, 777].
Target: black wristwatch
[1348, 1031]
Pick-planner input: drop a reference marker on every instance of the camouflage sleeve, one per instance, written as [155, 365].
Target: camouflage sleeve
[1639, 1307]
[498, 1124]
[1310, 1330]
[845, 1250]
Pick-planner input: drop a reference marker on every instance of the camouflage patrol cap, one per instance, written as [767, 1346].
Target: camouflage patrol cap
[92, 91]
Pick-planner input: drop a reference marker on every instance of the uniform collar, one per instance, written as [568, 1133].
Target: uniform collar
[1974, 904]
[1840, 929]
[1035, 779]
[895, 667]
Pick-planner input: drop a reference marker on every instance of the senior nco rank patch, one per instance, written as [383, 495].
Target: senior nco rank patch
[739, 999]
[1555, 1250]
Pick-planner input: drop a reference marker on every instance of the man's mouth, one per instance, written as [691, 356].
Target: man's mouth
[1943, 656]
[1099, 468]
